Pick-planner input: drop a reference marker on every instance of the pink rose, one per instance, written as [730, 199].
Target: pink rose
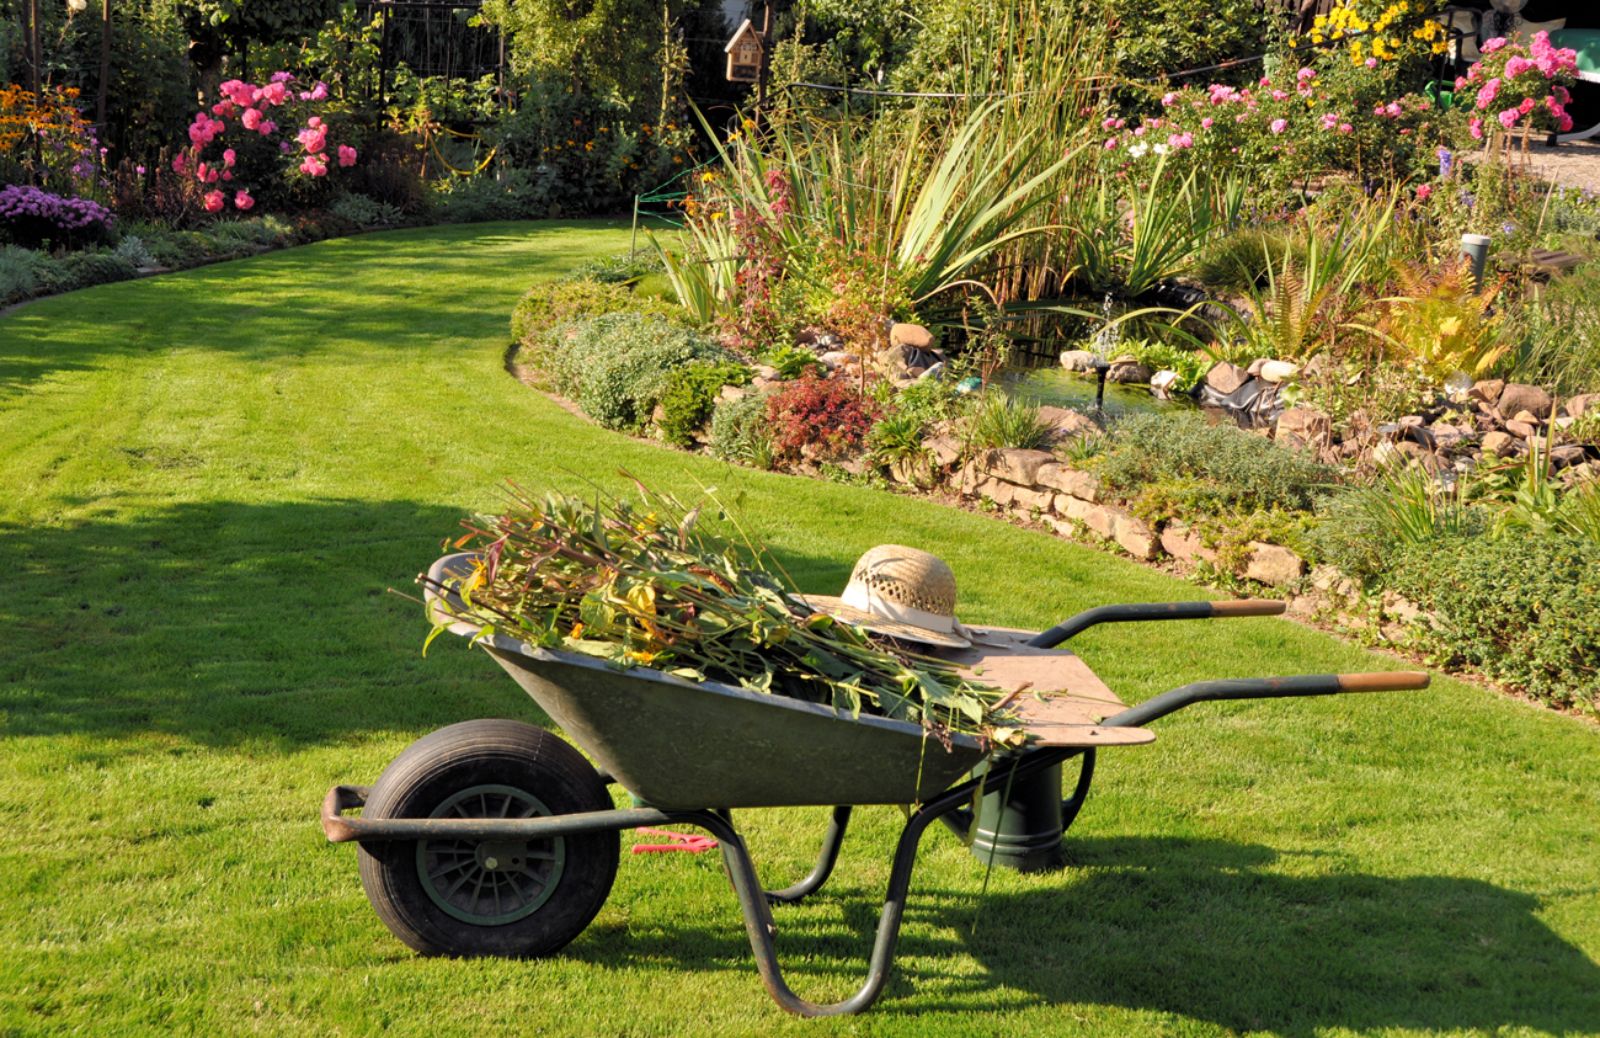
[1279, 125]
[1509, 117]
[1206, 123]
[1490, 46]
[1111, 143]
[1371, 63]
[268, 127]
[1476, 127]
[313, 140]
[347, 155]
[1487, 92]
[281, 77]
[243, 202]
[213, 201]
[180, 162]
[1424, 191]
[1526, 106]
[1329, 121]
[251, 118]
[314, 165]
[274, 93]
[229, 157]
[1168, 100]
[319, 92]
[1279, 95]
[1347, 128]
[1393, 110]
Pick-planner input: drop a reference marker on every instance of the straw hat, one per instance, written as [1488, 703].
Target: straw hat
[902, 593]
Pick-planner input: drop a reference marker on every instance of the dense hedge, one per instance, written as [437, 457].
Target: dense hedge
[1524, 610]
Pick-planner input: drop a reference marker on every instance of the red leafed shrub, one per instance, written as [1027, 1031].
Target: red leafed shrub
[828, 414]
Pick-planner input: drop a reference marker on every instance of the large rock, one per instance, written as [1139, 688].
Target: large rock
[1016, 465]
[1579, 404]
[1131, 533]
[1499, 444]
[1225, 378]
[913, 335]
[1066, 422]
[1082, 485]
[946, 449]
[1526, 430]
[1273, 564]
[1182, 543]
[1029, 499]
[914, 470]
[996, 490]
[1279, 371]
[1518, 397]
[1162, 382]
[1128, 371]
[1488, 390]
[1077, 360]
[1305, 428]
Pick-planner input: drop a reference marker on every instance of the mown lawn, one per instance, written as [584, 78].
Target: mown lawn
[210, 478]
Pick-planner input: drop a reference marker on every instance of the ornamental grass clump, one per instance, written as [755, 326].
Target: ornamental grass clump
[642, 585]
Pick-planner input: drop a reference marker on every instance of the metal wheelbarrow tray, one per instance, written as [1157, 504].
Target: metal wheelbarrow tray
[495, 837]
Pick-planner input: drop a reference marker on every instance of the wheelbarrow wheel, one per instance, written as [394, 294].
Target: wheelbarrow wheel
[507, 897]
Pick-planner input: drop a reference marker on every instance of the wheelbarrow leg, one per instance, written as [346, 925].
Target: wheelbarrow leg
[760, 928]
[758, 912]
[832, 840]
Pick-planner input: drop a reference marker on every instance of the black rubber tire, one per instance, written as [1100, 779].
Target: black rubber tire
[502, 755]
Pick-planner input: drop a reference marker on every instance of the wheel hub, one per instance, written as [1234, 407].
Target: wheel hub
[491, 882]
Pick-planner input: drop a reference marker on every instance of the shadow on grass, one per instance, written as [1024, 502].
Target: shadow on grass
[227, 622]
[406, 290]
[1202, 929]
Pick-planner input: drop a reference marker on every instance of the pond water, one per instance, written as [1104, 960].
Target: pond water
[1062, 388]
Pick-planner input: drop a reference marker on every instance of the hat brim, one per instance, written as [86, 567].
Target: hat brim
[836, 607]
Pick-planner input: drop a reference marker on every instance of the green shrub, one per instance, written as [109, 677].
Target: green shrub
[616, 365]
[897, 436]
[1240, 260]
[19, 273]
[132, 249]
[929, 400]
[740, 432]
[1521, 609]
[1191, 365]
[1231, 469]
[617, 270]
[689, 395]
[547, 305]
[791, 361]
[998, 420]
[366, 212]
[1363, 528]
[1558, 335]
[82, 269]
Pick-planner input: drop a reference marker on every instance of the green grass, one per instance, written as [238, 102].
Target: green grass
[209, 480]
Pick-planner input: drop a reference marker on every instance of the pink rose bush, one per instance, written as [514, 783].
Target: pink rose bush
[1308, 122]
[236, 141]
[1520, 88]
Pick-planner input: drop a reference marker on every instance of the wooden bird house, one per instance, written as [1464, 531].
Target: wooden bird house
[744, 54]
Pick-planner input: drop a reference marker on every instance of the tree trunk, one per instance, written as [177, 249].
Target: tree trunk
[105, 66]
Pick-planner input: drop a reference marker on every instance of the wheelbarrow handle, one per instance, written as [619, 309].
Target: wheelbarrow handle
[1119, 614]
[1266, 688]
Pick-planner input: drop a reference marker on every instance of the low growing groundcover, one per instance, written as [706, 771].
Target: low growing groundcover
[211, 478]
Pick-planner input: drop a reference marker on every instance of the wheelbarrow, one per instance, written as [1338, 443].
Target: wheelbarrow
[498, 838]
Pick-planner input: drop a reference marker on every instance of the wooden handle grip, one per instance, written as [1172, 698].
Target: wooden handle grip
[1389, 681]
[1248, 607]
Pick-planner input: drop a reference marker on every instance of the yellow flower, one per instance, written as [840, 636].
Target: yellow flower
[707, 177]
[577, 629]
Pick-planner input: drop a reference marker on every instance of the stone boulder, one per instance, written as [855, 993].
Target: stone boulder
[1113, 524]
[1273, 564]
[1578, 405]
[1128, 370]
[1278, 371]
[1305, 428]
[913, 335]
[1082, 485]
[1015, 465]
[1488, 390]
[1183, 544]
[1077, 360]
[1066, 422]
[945, 449]
[1226, 378]
[1518, 397]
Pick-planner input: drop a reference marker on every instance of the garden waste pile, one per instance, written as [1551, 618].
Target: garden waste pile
[642, 585]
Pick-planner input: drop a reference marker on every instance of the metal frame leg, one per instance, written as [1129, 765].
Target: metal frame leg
[832, 840]
[757, 911]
